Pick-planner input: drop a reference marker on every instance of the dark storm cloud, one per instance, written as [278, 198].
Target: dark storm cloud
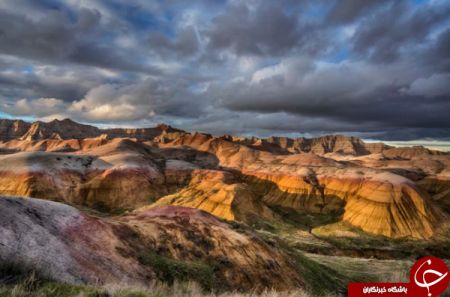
[185, 43]
[347, 11]
[48, 81]
[20, 87]
[368, 96]
[384, 35]
[45, 39]
[378, 107]
[57, 39]
[267, 29]
[437, 55]
[378, 69]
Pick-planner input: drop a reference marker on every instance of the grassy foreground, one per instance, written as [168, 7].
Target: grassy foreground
[34, 287]
[17, 282]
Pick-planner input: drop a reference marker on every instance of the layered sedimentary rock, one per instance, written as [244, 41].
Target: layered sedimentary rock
[106, 183]
[65, 244]
[68, 129]
[220, 194]
[320, 145]
[65, 129]
[378, 202]
[382, 190]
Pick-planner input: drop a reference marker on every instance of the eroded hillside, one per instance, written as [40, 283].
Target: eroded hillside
[67, 245]
[382, 190]
[271, 199]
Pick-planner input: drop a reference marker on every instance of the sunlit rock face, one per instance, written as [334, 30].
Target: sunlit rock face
[394, 192]
[67, 129]
[376, 200]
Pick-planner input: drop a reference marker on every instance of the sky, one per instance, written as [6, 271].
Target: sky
[376, 69]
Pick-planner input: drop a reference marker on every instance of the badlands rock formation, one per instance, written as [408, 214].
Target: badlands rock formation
[68, 129]
[65, 244]
[395, 192]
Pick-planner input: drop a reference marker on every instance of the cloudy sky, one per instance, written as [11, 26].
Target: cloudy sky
[378, 69]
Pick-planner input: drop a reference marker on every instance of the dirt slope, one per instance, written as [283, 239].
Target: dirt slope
[65, 244]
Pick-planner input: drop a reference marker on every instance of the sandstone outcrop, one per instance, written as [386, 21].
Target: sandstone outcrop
[394, 192]
[378, 202]
[220, 194]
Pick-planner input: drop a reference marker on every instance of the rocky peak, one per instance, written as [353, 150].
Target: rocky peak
[342, 144]
[56, 129]
[12, 129]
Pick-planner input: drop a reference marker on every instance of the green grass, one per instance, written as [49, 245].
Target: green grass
[288, 229]
[32, 286]
[292, 220]
[172, 270]
[320, 279]
[315, 254]
[16, 280]
[305, 220]
[364, 244]
[367, 270]
[107, 210]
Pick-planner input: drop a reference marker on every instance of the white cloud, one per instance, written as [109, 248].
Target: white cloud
[38, 107]
[111, 102]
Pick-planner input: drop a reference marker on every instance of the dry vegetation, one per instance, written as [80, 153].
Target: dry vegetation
[34, 287]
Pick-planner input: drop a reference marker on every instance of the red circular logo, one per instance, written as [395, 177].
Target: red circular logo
[429, 277]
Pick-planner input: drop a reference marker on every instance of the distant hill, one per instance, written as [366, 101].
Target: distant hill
[67, 129]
